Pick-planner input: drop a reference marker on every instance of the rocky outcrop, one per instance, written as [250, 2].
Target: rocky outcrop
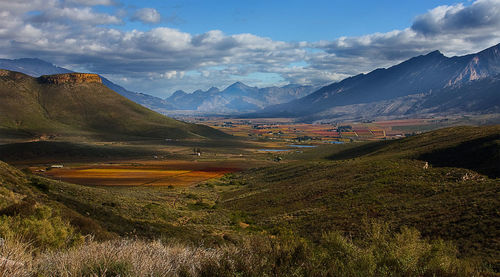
[70, 78]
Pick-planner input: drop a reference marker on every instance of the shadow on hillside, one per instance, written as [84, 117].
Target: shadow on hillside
[362, 150]
[57, 151]
[481, 155]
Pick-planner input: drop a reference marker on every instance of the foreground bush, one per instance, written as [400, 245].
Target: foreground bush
[37, 224]
[380, 254]
[383, 254]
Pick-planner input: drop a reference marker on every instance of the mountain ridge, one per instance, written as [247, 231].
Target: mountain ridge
[236, 98]
[429, 74]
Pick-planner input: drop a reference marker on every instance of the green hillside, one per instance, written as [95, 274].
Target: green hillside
[339, 187]
[32, 107]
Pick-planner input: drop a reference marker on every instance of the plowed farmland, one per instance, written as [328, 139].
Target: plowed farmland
[149, 173]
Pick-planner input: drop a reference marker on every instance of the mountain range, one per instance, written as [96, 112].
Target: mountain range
[79, 105]
[236, 98]
[424, 85]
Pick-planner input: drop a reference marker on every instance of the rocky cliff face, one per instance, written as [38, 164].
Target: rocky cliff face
[70, 78]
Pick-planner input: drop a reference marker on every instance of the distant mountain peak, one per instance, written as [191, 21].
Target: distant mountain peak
[403, 83]
[179, 92]
[435, 53]
[238, 85]
[213, 90]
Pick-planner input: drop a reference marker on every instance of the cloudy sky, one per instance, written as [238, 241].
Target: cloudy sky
[160, 46]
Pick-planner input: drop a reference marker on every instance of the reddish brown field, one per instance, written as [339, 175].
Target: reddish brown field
[145, 173]
[280, 129]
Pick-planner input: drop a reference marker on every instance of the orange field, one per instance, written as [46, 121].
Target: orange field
[149, 173]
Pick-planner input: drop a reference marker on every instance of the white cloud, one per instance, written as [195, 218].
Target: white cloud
[79, 14]
[157, 60]
[481, 15]
[454, 30]
[147, 15]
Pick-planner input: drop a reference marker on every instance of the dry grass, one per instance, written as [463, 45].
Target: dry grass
[15, 258]
[112, 258]
[381, 254]
[127, 258]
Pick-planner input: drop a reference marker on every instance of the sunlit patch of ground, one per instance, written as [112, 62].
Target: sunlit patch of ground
[146, 173]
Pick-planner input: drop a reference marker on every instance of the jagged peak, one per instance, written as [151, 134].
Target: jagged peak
[70, 78]
[435, 53]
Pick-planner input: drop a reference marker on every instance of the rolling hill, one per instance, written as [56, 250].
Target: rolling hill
[79, 104]
[424, 85]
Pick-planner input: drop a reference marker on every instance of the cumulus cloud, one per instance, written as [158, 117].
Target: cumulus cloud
[71, 33]
[454, 30]
[81, 14]
[482, 14]
[147, 15]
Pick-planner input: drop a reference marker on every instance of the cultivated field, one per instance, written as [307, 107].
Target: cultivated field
[280, 129]
[144, 173]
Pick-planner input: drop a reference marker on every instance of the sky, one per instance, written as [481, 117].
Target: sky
[158, 47]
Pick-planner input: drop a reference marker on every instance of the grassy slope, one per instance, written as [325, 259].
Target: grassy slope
[138, 212]
[184, 214]
[338, 187]
[22, 195]
[32, 108]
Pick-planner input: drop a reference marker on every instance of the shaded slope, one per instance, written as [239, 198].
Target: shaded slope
[62, 151]
[35, 107]
[475, 148]
[481, 155]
